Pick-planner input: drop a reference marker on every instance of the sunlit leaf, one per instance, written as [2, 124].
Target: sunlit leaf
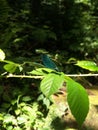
[10, 68]
[17, 40]
[26, 98]
[8, 118]
[17, 112]
[89, 65]
[41, 51]
[22, 119]
[77, 99]
[51, 83]
[41, 71]
[46, 102]
[20, 68]
[2, 55]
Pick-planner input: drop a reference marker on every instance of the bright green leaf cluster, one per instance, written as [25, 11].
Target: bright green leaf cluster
[77, 96]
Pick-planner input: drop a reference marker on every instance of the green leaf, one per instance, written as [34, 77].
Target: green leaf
[10, 67]
[8, 119]
[48, 70]
[2, 55]
[78, 100]
[18, 112]
[26, 98]
[89, 65]
[20, 68]
[51, 83]
[22, 119]
[46, 102]
[41, 71]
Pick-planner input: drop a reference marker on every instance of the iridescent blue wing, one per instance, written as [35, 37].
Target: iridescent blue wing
[48, 62]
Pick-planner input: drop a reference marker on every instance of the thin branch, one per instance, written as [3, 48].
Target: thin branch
[81, 75]
[24, 76]
[41, 77]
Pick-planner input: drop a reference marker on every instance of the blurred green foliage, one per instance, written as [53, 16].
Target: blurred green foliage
[50, 24]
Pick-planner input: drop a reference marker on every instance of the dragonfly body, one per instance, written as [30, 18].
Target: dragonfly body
[48, 62]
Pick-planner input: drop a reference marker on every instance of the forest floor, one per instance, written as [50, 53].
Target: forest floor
[68, 122]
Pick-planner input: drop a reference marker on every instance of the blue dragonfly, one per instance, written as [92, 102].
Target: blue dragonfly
[47, 62]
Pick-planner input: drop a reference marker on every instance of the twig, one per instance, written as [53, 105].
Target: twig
[24, 76]
[81, 75]
[41, 77]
